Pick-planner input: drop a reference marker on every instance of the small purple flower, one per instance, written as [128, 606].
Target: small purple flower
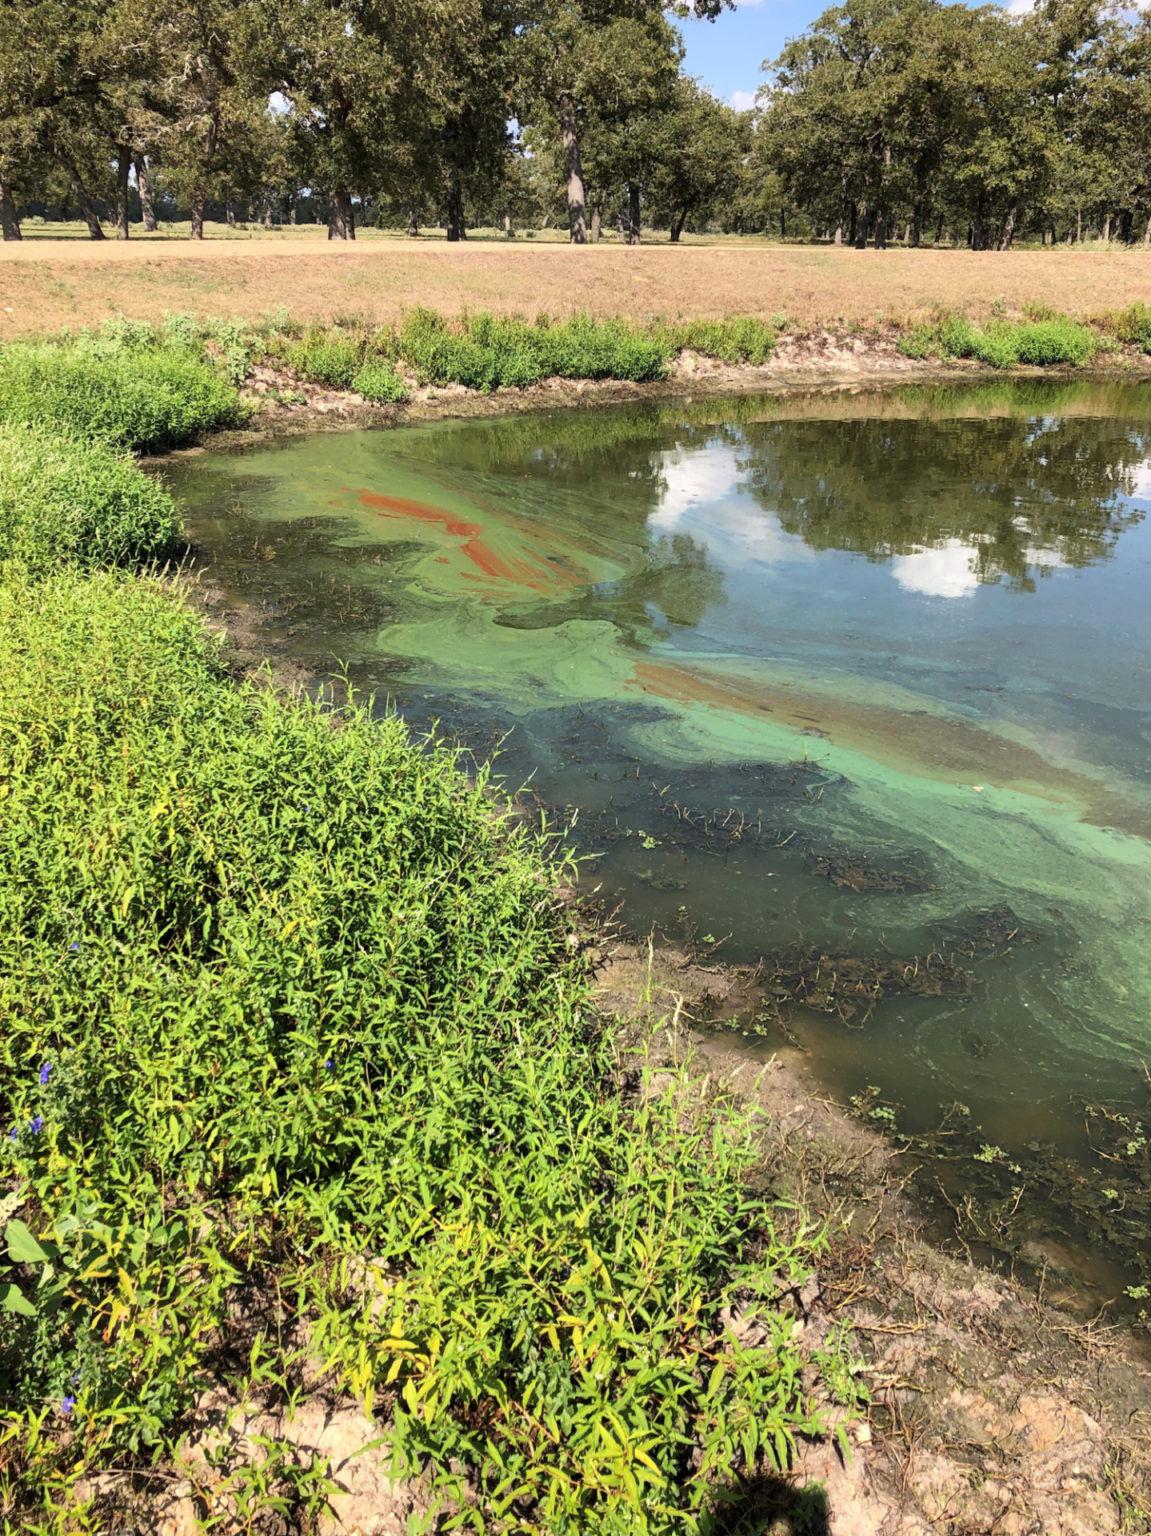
[45, 1073]
[73, 947]
[14, 1133]
[36, 1125]
[329, 1065]
[67, 1404]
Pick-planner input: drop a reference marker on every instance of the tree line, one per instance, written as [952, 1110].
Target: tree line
[394, 111]
[887, 119]
[938, 122]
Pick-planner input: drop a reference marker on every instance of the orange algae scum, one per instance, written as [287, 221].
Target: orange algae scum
[527, 569]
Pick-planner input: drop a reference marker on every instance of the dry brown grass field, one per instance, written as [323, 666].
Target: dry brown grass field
[48, 283]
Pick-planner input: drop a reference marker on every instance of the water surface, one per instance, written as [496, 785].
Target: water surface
[855, 676]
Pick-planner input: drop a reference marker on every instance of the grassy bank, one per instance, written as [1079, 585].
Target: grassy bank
[301, 1078]
[131, 385]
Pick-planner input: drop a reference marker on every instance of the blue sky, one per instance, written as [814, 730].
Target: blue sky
[727, 54]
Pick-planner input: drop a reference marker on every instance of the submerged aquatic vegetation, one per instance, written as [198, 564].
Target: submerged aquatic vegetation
[65, 501]
[304, 996]
[851, 985]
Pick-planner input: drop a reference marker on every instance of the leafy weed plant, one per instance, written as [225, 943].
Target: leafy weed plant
[380, 383]
[286, 1004]
[327, 358]
[1042, 342]
[126, 389]
[742, 339]
[65, 501]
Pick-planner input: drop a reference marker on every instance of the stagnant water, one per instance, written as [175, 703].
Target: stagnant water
[861, 676]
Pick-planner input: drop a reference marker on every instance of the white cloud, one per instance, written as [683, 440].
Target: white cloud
[742, 101]
[702, 498]
[1141, 476]
[948, 571]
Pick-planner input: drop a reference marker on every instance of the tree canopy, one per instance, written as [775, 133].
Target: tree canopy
[886, 119]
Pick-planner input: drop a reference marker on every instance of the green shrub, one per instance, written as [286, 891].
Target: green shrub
[742, 339]
[486, 351]
[64, 501]
[995, 346]
[1002, 343]
[1043, 343]
[957, 337]
[1133, 326]
[288, 1009]
[380, 383]
[326, 358]
[144, 398]
[583, 348]
[919, 343]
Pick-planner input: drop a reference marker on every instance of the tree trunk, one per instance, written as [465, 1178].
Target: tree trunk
[852, 224]
[907, 232]
[197, 213]
[917, 226]
[881, 230]
[267, 213]
[1079, 226]
[230, 212]
[677, 225]
[978, 231]
[633, 213]
[838, 236]
[938, 232]
[1007, 234]
[573, 169]
[10, 219]
[81, 198]
[123, 166]
[596, 218]
[413, 225]
[144, 187]
[341, 217]
[863, 227]
[457, 229]
[1105, 232]
[509, 232]
[1146, 232]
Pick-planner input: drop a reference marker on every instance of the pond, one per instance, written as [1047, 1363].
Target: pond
[857, 684]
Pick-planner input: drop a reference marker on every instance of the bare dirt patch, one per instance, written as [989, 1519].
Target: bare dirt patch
[45, 284]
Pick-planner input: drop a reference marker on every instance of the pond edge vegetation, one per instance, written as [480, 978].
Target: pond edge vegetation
[175, 381]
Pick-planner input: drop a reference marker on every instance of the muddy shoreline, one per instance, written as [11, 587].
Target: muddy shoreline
[993, 1411]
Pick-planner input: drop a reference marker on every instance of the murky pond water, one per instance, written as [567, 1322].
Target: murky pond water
[859, 683]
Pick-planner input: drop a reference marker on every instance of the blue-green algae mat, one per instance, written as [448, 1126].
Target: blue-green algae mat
[825, 677]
